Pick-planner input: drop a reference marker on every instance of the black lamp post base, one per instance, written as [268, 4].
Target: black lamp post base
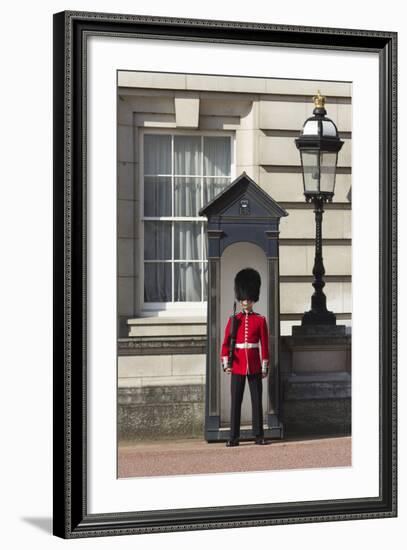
[318, 317]
[319, 323]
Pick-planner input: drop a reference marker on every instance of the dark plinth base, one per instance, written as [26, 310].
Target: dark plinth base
[318, 418]
[317, 405]
[319, 330]
[316, 381]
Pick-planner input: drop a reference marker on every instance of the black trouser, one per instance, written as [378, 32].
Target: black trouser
[237, 388]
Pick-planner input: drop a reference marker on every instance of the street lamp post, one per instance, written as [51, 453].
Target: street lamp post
[319, 145]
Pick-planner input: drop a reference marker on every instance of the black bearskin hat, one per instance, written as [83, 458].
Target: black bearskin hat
[247, 285]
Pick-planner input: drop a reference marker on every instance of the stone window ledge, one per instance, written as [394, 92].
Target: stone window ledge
[175, 320]
[164, 335]
[163, 327]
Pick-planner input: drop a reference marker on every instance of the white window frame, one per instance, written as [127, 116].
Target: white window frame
[172, 308]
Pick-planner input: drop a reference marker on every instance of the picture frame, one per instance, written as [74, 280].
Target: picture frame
[71, 514]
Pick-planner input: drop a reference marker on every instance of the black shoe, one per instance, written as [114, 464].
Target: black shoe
[260, 441]
[232, 443]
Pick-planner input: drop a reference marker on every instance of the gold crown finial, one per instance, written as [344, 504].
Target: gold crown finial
[319, 101]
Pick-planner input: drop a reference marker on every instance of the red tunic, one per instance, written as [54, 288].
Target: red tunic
[251, 329]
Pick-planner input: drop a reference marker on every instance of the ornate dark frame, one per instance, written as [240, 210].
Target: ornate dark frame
[71, 518]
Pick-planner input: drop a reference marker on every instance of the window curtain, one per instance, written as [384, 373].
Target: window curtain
[187, 201]
[187, 162]
[216, 163]
[157, 203]
[157, 179]
[157, 286]
[187, 275]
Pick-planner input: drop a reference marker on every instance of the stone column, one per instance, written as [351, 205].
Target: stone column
[212, 412]
[213, 374]
[273, 408]
[274, 337]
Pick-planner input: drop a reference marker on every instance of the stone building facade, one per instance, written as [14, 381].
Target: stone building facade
[161, 347]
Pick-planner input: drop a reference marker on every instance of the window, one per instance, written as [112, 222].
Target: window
[181, 173]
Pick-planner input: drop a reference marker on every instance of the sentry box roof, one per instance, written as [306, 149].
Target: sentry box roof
[243, 199]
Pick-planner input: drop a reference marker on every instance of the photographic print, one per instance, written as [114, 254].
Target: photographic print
[224, 274]
[234, 273]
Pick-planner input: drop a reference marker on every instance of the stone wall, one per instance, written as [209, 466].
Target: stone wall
[161, 396]
[161, 412]
[317, 407]
[263, 116]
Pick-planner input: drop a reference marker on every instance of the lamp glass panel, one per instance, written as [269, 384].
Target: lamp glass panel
[310, 128]
[328, 171]
[310, 168]
[328, 128]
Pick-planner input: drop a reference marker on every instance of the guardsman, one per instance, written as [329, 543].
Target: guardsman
[246, 338]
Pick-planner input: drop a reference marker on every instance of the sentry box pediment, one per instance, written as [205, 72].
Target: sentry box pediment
[242, 212]
[228, 203]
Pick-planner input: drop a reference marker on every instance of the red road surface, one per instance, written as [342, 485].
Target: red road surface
[198, 457]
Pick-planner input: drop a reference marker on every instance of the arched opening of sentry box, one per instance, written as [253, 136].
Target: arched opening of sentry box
[235, 257]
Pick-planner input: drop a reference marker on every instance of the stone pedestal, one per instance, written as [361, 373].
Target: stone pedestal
[316, 384]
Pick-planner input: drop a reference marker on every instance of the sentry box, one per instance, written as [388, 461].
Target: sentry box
[243, 231]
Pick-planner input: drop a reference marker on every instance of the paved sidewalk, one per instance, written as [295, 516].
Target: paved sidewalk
[191, 456]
